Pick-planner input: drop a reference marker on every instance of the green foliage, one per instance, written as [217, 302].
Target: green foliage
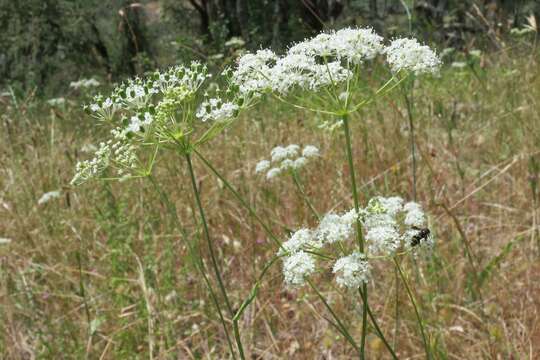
[56, 41]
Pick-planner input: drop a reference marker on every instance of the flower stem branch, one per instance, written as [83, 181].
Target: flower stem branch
[418, 317]
[212, 253]
[359, 236]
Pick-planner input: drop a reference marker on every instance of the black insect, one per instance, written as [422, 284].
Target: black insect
[421, 235]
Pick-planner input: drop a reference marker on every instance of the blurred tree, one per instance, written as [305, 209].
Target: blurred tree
[42, 38]
[47, 41]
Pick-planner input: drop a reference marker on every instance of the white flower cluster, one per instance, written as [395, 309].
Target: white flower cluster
[48, 196]
[84, 83]
[138, 122]
[116, 151]
[352, 270]
[215, 109]
[251, 74]
[332, 228]
[137, 94]
[296, 267]
[350, 45]
[408, 54]
[150, 111]
[388, 223]
[57, 101]
[286, 158]
[326, 59]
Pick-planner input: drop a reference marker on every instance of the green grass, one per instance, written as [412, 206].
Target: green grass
[104, 271]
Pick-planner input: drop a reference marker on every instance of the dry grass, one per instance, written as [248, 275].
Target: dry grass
[103, 272]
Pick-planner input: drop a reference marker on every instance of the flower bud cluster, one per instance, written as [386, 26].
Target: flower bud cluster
[156, 110]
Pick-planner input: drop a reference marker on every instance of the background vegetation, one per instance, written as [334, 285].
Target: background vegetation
[103, 271]
[46, 44]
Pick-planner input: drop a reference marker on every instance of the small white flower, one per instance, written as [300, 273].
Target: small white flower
[107, 103]
[333, 228]
[48, 196]
[384, 240]
[352, 271]
[459, 65]
[261, 166]
[378, 220]
[134, 124]
[56, 101]
[408, 54]
[299, 163]
[292, 150]
[301, 239]
[392, 205]
[278, 153]
[287, 164]
[252, 73]
[414, 215]
[297, 267]
[216, 109]
[310, 151]
[272, 173]
[350, 217]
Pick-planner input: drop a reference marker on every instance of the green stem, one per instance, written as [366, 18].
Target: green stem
[269, 232]
[396, 325]
[359, 236]
[199, 264]
[304, 195]
[339, 325]
[413, 301]
[240, 199]
[254, 291]
[410, 117]
[377, 328]
[212, 254]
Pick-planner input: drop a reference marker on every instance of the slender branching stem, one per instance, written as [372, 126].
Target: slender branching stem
[304, 195]
[397, 314]
[339, 325]
[359, 237]
[207, 233]
[239, 197]
[199, 264]
[269, 232]
[413, 301]
[212, 253]
[412, 139]
[377, 328]
[254, 291]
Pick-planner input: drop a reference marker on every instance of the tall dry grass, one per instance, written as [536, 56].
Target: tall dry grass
[103, 272]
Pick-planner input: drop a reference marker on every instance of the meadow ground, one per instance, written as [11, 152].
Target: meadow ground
[103, 271]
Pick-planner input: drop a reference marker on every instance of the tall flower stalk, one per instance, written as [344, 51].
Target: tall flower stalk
[323, 75]
[165, 111]
[173, 110]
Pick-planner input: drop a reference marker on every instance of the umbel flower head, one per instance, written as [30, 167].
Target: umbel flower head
[352, 271]
[328, 59]
[389, 226]
[169, 109]
[410, 55]
[286, 158]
